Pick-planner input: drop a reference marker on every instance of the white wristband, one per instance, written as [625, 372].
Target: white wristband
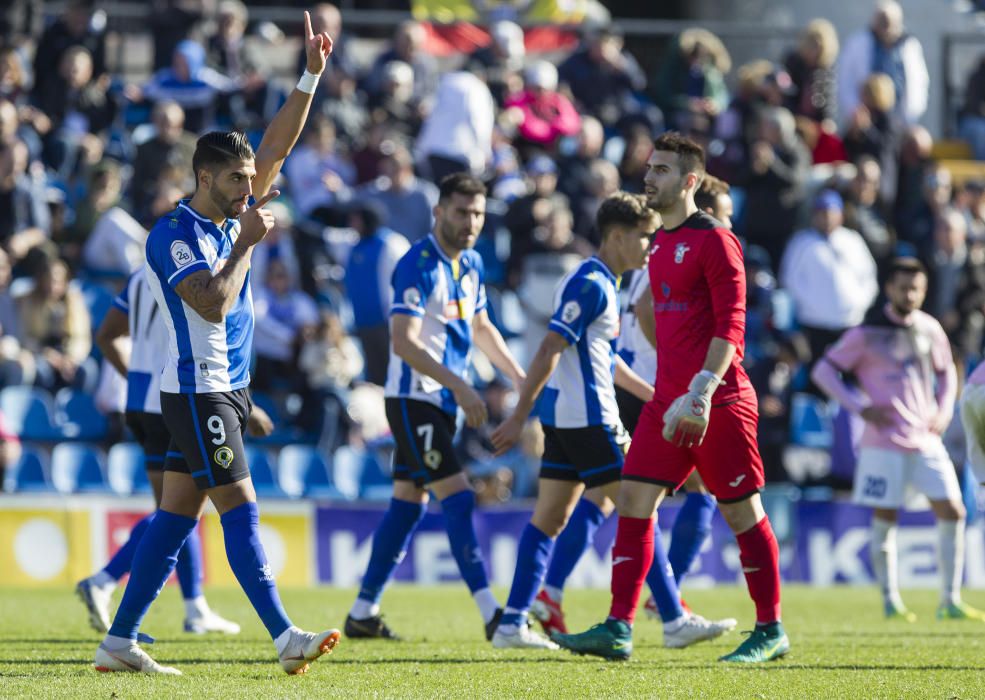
[308, 82]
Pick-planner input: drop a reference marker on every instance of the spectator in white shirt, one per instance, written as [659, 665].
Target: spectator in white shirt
[830, 274]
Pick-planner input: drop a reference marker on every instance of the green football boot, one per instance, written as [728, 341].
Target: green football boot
[612, 639]
[959, 611]
[899, 612]
[763, 644]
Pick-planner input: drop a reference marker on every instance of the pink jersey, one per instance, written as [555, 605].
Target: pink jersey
[903, 364]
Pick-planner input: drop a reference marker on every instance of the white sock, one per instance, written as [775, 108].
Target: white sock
[117, 643]
[196, 607]
[488, 605]
[882, 552]
[950, 552]
[103, 580]
[283, 639]
[363, 609]
[555, 593]
[676, 624]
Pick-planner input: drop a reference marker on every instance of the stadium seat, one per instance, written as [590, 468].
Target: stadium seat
[29, 412]
[78, 468]
[262, 473]
[30, 473]
[98, 299]
[77, 416]
[123, 463]
[348, 464]
[810, 421]
[376, 480]
[302, 471]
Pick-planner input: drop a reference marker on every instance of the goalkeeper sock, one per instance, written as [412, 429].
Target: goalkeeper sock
[759, 555]
[572, 543]
[691, 529]
[660, 578]
[241, 531]
[121, 562]
[632, 556]
[153, 562]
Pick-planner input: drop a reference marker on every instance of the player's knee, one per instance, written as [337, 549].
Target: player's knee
[551, 523]
[742, 515]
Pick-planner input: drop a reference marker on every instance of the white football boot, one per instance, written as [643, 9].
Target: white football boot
[97, 600]
[697, 629]
[130, 659]
[304, 647]
[522, 638]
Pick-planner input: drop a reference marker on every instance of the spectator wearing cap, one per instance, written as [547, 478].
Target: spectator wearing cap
[319, 174]
[884, 47]
[501, 61]
[367, 272]
[407, 46]
[605, 79]
[830, 275]
[408, 200]
[457, 135]
[543, 114]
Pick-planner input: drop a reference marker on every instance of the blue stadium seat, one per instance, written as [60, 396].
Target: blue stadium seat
[810, 421]
[123, 463]
[376, 480]
[98, 299]
[78, 417]
[30, 473]
[348, 464]
[29, 411]
[302, 471]
[262, 473]
[78, 468]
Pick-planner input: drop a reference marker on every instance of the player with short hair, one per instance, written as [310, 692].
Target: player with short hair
[438, 314]
[901, 359]
[198, 261]
[574, 373]
[703, 413]
[134, 317]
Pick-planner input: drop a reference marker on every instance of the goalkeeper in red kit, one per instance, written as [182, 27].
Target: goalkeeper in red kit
[703, 413]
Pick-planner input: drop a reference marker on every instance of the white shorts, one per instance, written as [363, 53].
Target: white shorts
[883, 477]
[973, 421]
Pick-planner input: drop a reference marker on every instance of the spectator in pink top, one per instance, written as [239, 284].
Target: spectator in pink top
[544, 113]
[907, 384]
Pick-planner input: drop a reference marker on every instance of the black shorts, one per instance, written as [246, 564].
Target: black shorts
[630, 408]
[207, 435]
[424, 435]
[593, 455]
[153, 436]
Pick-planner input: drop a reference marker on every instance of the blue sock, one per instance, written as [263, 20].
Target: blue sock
[532, 554]
[153, 562]
[389, 546]
[692, 527]
[241, 531]
[458, 511]
[189, 567]
[661, 581]
[120, 563]
[576, 538]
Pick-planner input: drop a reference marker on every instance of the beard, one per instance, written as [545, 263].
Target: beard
[453, 238]
[231, 208]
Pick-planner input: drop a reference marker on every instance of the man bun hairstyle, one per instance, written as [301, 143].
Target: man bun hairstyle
[627, 211]
[218, 148]
[690, 153]
[460, 183]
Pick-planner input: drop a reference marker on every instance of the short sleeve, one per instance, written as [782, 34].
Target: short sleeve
[582, 301]
[410, 287]
[173, 252]
[846, 354]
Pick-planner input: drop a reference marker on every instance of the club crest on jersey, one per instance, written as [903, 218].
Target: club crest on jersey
[570, 311]
[181, 254]
[679, 252]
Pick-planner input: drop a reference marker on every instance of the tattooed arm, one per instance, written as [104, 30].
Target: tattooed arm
[212, 296]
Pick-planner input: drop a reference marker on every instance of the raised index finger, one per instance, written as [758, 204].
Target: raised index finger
[264, 199]
[308, 34]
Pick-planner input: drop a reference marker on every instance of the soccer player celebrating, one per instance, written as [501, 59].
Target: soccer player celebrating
[438, 312]
[134, 315]
[901, 358]
[703, 413]
[198, 261]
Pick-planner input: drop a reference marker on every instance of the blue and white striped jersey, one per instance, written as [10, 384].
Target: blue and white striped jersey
[447, 294]
[148, 337]
[203, 357]
[581, 391]
[632, 345]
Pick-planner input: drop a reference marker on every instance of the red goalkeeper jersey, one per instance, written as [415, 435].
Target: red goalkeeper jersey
[699, 292]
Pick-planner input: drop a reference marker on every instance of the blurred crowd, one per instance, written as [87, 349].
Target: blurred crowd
[830, 173]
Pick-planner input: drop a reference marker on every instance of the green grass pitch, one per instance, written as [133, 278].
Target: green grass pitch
[842, 648]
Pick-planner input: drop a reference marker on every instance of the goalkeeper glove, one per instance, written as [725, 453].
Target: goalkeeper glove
[686, 421]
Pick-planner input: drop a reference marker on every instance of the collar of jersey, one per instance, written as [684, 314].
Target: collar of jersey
[184, 204]
[440, 250]
[605, 268]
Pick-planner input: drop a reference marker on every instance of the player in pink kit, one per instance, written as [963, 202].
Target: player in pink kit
[699, 292]
[901, 358]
